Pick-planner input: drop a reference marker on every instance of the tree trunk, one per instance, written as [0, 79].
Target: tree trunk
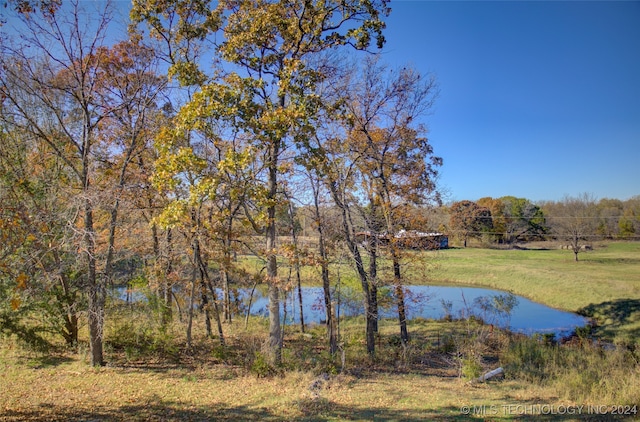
[395, 256]
[167, 308]
[399, 292]
[370, 316]
[216, 312]
[301, 307]
[224, 271]
[328, 306]
[373, 276]
[194, 275]
[274, 343]
[205, 305]
[294, 237]
[68, 304]
[246, 317]
[226, 296]
[275, 331]
[324, 265]
[96, 291]
[162, 269]
[98, 286]
[206, 282]
[72, 329]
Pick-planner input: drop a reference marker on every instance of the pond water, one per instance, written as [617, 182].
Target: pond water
[429, 302]
[436, 302]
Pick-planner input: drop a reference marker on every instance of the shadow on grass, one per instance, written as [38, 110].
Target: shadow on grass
[157, 411]
[42, 362]
[615, 316]
[609, 260]
[515, 247]
[329, 411]
[312, 409]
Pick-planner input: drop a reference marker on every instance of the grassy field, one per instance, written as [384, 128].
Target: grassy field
[604, 283]
[150, 376]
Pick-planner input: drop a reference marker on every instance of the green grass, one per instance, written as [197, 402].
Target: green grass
[604, 283]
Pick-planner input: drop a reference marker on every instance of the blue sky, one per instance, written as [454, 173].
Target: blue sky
[537, 99]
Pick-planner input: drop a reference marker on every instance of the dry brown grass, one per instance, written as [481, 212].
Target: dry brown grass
[214, 383]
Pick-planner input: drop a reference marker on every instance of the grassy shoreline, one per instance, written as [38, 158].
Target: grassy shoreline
[604, 284]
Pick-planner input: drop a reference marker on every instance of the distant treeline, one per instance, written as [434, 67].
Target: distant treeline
[510, 219]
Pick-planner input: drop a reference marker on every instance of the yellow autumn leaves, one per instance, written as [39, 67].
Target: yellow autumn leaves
[21, 284]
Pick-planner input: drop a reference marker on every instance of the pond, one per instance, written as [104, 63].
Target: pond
[429, 302]
[436, 302]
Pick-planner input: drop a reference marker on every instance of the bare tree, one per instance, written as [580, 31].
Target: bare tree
[574, 219]
[376, 161]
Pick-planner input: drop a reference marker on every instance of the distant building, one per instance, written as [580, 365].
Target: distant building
[420, 240]
[409, 239]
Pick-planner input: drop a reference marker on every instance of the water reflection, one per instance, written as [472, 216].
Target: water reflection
[429, 302]
[437, 302]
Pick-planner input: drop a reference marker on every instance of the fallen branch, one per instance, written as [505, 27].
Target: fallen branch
[488, 375]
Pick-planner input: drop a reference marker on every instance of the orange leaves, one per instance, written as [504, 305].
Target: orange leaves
[21, 281]
[21, 284]
[15, 303]
[300, 255]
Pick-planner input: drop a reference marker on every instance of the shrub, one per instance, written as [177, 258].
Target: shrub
[470, 368]
[447, 344]
[139, 337]
[260, 367]
[526, 358]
